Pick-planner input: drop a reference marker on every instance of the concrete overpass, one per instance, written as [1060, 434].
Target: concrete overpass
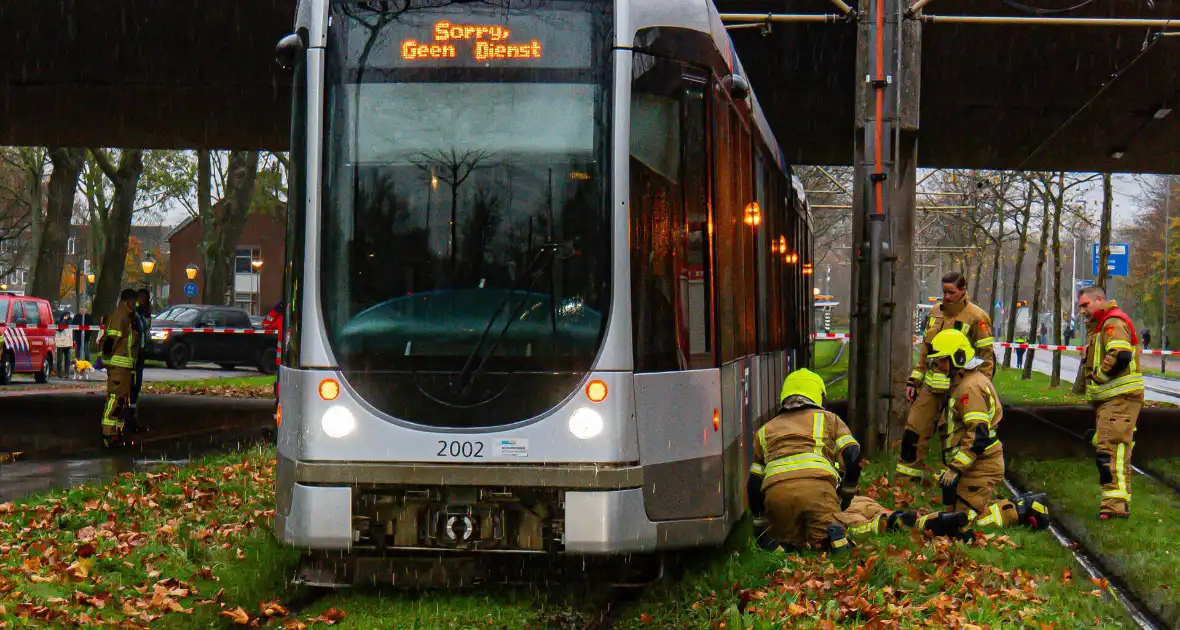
[174, 73]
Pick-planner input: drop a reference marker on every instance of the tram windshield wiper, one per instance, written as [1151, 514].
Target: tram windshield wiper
[542, 262]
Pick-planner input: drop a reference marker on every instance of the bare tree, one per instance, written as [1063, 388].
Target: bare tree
[1104, 230]
[454, 168]
[116, 224]
[50, 253]
[1024, 214]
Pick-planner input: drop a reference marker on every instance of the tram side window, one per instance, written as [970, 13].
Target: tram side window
[670, 280]
[724, 226]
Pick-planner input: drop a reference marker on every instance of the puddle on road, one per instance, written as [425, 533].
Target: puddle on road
[20, 479]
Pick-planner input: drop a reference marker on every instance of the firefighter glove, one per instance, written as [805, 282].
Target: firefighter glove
[911, 391]
[949, 478]
[846, 496]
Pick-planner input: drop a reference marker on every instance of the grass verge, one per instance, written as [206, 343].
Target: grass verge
[824, 352]
[234, 387]
[1020, 579]
[1142, 551]
[192, 547]
[1035, 391]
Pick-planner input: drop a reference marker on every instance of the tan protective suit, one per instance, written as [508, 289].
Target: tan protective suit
[798, 455]
[1117, 397]
[118, 346]
[932, 386]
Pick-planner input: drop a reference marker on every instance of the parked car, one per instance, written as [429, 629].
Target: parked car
[178, 349]
[26, 347]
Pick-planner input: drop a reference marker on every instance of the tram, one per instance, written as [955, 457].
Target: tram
[546, 270]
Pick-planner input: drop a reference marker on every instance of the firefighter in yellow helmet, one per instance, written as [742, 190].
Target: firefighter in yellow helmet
[118, 346]
[926, 389]
[805, 472]
[973, 454]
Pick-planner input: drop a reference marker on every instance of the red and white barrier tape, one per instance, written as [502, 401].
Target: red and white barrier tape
[227, 331]
[1005, 344]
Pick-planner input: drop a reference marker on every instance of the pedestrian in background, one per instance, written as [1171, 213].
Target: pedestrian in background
[82, 339]
[64, 343]
[1147, 339]
[1020, 351]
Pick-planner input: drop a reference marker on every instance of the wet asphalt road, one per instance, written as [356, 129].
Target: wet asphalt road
[58, 437]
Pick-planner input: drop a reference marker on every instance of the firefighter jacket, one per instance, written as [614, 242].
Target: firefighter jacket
[1111, 333]
[120, 340]
[801, 443]
[968, 319]
[973, 413]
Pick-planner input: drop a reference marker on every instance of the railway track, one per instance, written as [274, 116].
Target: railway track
[1139, 469]
[1094, 567]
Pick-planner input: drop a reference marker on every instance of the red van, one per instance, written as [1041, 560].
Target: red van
[26, 337]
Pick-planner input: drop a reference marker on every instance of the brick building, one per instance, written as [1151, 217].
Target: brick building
[254, 289]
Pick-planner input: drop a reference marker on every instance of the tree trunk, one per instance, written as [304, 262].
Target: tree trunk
[995, 296]
[205, 216]
[1058, 203]
[1038, 285]
[222, 227]
[1104, 230]
[117, 230]
[49, 258]
[1026, 213]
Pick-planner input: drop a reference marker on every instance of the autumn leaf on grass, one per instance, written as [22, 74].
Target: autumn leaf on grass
[238, 615]
[1101, 583]
[795, 610]
[294, 624]
[645, 618]
[80, 568]
[330, 616]
[272, 609]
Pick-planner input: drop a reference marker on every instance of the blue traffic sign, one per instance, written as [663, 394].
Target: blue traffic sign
[1118, 263]
[1085, 283]
[190, 289]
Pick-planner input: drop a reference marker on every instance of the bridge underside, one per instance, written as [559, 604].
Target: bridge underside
[172, 74]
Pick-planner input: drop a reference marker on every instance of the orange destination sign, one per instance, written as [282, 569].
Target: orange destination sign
[491, 42]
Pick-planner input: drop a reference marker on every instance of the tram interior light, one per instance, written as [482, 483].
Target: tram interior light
[585, 423]
[338, 421]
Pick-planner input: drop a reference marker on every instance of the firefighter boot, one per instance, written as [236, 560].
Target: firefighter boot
[1032, 511]
[838, 540]
[131, 422]
[908, 518]
[952, 524]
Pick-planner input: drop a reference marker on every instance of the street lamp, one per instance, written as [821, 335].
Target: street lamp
[191, 271]
[257, 265]
[148, 264]
[90, 278]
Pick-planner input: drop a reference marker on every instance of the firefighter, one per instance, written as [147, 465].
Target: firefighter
[973, 453]
[1114, 387]
[926, 389]
[805, 472]
[143, 321]
[274, 322]
[118, 349]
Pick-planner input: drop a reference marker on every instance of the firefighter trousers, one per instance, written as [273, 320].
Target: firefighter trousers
[118, 396]
[920, 425]
[800, 511]
[1115, 437]
[977, 486]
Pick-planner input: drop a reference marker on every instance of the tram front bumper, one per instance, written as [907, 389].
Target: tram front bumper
[603, 506]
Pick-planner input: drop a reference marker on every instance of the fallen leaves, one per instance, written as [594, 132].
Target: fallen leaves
[227, 390]
[59, 555]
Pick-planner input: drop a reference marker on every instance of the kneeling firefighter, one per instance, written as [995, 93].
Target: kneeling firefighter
[801, 457]
[973, 453]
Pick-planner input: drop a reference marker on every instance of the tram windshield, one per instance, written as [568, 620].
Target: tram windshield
[466, 260]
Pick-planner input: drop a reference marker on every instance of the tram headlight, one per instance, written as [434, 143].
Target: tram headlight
[585, 423]
[338, 421]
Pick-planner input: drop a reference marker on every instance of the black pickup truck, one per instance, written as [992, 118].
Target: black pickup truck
[178, 349]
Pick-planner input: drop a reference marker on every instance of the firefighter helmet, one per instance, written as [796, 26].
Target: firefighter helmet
[953, 344]
[804, 382]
